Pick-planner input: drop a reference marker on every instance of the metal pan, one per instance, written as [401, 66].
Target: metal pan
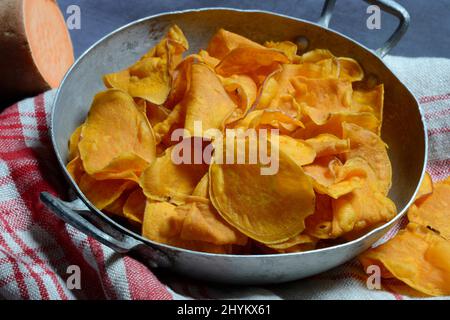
[403, 130]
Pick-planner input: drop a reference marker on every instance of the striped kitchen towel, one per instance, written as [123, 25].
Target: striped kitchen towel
[37, 249]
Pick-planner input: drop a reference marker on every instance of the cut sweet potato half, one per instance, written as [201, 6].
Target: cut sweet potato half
[39, 50]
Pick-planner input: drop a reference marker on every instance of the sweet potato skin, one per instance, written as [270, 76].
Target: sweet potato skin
[19, 74]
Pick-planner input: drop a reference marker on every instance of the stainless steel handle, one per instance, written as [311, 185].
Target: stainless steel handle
[103, 232]
[389, 6]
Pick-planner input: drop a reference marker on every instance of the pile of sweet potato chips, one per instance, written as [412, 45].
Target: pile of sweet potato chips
[419, 255]
[333, 169]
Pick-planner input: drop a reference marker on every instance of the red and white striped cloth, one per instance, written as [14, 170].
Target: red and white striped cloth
[36, 248]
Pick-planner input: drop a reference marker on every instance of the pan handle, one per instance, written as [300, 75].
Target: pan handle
[389, 6]
[72, 213]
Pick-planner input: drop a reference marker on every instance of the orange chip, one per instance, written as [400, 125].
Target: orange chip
[416, 256]
[299, 151]
[355, 201]
[250, 201]
[370, 147]
[155, 114]
[371, 100]
[223, 42]
[73, 143]
[103, 193]
[350, 69]
[319, 98]
[181, 79]
[242, 89]
[75, 169]
[328, 145]
[167, 223]
[134, 205]
[206, 91]
[319, 224]
[164, 180]
[301, 242]
[434, 210]
[202, 188]
[334, 179]
[361, 209]
[316, 55]
[174, 120]
[116, 207]
[268, 119]
[209, 60]
[127, 166]
[204, 223]
[333, 125]
[287, 47]
[115, 130]
[150, 77]
[248, 60]
[425, 189]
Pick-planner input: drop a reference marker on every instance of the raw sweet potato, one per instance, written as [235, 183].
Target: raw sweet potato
[35, 47]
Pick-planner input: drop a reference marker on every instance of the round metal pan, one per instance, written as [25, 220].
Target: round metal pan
[403, 130]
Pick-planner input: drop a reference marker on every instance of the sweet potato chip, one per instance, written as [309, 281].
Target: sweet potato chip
[298, 150]
[155, 114]
[207, 59]
[75, 169]
[103, 193]
[319, 224]
[287, 47]
[268, 119]
[355, 201]
[277, 91]
[115, 128]
[425, 189]
[150, 77]
[250, 201]
[333, 178]
[350, 69]
[166, 223]
[206, 100]
[127, 166]
[301, 242]
[416, 256]
[204, 223]
[242, 90]
[434, 210]
[73, 143]
[316, 55]
[320, 98]
[333, 125]
[328, 145]
[116, 207]
[223, 42]
[370, 100]
[202, 188]
[250, 61]
[361, 209]
[134, 205]
[370, 147]
[174, 120]
[164, 180]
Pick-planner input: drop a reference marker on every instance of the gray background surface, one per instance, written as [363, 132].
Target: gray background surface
[429, 33]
